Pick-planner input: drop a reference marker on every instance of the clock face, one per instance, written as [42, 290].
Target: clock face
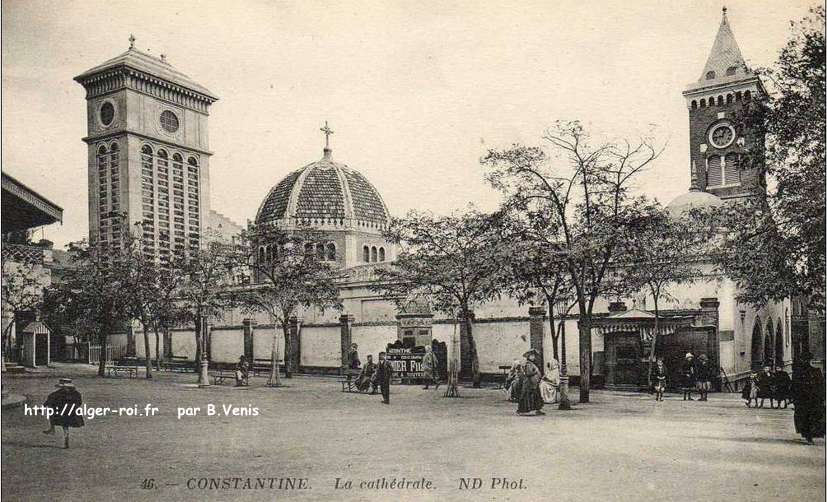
[107, 113]
[722, 135]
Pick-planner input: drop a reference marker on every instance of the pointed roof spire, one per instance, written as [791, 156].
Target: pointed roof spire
[725, 62]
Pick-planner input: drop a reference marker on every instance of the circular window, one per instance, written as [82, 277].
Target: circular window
[722, 135]
[169, 121]
[107, 113]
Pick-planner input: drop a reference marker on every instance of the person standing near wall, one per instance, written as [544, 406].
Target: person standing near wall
[430, 368]
[530, 397]
[808, 397]
[384, 371]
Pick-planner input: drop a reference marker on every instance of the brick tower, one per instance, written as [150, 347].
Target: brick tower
[717, 135]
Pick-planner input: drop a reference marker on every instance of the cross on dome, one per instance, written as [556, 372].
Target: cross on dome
[131, 41]
[327, 132]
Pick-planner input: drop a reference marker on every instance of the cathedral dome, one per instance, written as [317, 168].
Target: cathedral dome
[693, 199]
[325, 193]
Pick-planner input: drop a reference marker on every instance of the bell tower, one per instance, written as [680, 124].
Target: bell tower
[717, 135]
[148, 154]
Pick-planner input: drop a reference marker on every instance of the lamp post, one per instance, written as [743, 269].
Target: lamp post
[563, 310]
[204, 373]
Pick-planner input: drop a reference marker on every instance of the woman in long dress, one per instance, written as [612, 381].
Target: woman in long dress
[550, 384]
[530, 398]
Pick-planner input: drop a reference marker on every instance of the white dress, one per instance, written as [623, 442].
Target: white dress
[550, 385]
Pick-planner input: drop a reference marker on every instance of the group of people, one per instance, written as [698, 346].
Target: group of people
[775, 385]
[697, 376]
[379, 375]
[531, 387]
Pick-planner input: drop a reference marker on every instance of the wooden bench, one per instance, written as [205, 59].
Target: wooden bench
[260, 366]
[219, 376]
[117, 369]
[348, 379]
[179, 364]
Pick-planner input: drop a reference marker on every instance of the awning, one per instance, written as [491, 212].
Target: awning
[643, 324]
[36, 328]
[23, 208]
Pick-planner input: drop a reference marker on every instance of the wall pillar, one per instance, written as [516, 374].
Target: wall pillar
[537, 317]
[130, 341]
[249, 328]
[709, 317]
[465, 347]
[346, 323]
[295, 343]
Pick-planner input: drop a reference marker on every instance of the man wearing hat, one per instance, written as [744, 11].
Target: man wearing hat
[65, 403]
[808, 396]
[688, 376]
[530, 397]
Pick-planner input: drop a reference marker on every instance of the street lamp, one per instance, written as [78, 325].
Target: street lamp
[562, 306]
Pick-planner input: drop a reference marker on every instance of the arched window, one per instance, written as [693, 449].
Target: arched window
[192, 161]
[713, 171]
[720, 101]
[308, 248]
[747, 95]
[163, 154]
[703, 103]
[331, 251]
[114, 147]
[176, 157]
[261, 254]
[381, 254]
[729, 99]
[738, 96]
[146, 150]
[756, 352]
[779, 343]
[732, 171]
[694, 105]
[365, 254]
[709, 75]
[731, 70]
[320, 251]
[373, 254]
[768, 338]
[102, 150]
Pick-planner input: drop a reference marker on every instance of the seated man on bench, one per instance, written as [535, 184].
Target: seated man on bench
[242, 372]
[365, 378]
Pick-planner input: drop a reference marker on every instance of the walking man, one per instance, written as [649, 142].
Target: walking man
[430, 368]
[688, 376]
[65, 403]
[384, 372]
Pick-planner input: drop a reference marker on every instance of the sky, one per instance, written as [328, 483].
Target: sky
[416, 92]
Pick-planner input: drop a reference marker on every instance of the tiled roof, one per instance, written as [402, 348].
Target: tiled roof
[724, 55]
[141, 61]
[324, 191]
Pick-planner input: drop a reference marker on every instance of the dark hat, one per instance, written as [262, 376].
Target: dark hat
[531, 351]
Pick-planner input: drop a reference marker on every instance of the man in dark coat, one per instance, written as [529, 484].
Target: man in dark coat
[384, 371]
[765, 384]
[781, 386]
[365, 379]
[808, 396]
[703, 377]
[65, 404]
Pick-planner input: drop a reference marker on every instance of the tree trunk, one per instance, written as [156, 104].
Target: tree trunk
[585, 331]
[147, 350]
[554, 334]
[102, 341]
[157, 347]
[198, 340]
[288, 351]
[476, 378]
[654, 344]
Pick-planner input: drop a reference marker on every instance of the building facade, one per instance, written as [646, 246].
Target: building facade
[148, 150]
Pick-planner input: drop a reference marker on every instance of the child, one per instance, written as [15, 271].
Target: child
[659, 375]
[750, 392]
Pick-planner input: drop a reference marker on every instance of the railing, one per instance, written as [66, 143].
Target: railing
[23, 253]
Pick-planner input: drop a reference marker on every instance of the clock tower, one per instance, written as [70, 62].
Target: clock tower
[148, 151]
[718, 138]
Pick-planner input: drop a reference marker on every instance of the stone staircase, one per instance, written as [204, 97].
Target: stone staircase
[13, 368]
